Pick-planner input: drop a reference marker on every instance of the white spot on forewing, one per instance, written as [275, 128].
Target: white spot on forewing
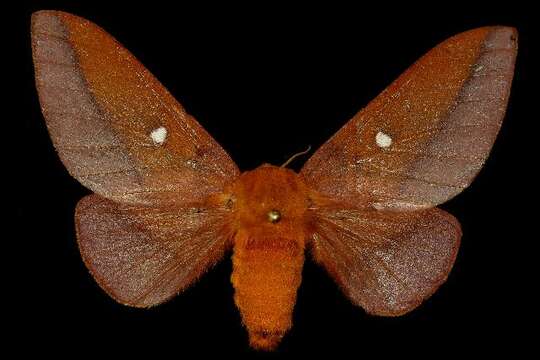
[159, 135]
[383, 140]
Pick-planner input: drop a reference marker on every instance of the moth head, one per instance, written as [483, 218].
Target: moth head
[269, 196]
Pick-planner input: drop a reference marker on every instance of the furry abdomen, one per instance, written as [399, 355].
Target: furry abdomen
[266, 275]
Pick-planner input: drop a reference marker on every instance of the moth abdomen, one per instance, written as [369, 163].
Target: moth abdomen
[266, 275]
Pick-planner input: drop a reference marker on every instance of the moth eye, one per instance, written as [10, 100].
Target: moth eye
[274, 216]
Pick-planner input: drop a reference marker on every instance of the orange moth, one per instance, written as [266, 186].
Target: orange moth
[169, 202]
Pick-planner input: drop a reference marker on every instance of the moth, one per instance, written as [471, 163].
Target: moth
[169, 202]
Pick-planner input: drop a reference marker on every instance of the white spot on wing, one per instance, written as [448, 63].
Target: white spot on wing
[383, 140]
[159, 135]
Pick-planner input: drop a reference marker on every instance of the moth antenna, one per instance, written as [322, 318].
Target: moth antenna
[296, 155]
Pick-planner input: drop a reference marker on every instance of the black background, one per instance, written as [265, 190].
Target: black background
[267, 82]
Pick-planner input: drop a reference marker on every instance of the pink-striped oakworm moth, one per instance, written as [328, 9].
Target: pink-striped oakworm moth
[169, 202]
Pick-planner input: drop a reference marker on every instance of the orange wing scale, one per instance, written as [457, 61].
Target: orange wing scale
[157, 220]
[102, 106]
[424, 138]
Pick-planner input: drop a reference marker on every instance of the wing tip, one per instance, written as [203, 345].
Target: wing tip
[47, 14]
[502, 37]
[48, 23]
[496, 37]
[44, 19]
[41, 17]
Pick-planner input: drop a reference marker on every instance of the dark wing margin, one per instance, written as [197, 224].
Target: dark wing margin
[386, 262]
[425, 137]
[117, 130]
[143, 256]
